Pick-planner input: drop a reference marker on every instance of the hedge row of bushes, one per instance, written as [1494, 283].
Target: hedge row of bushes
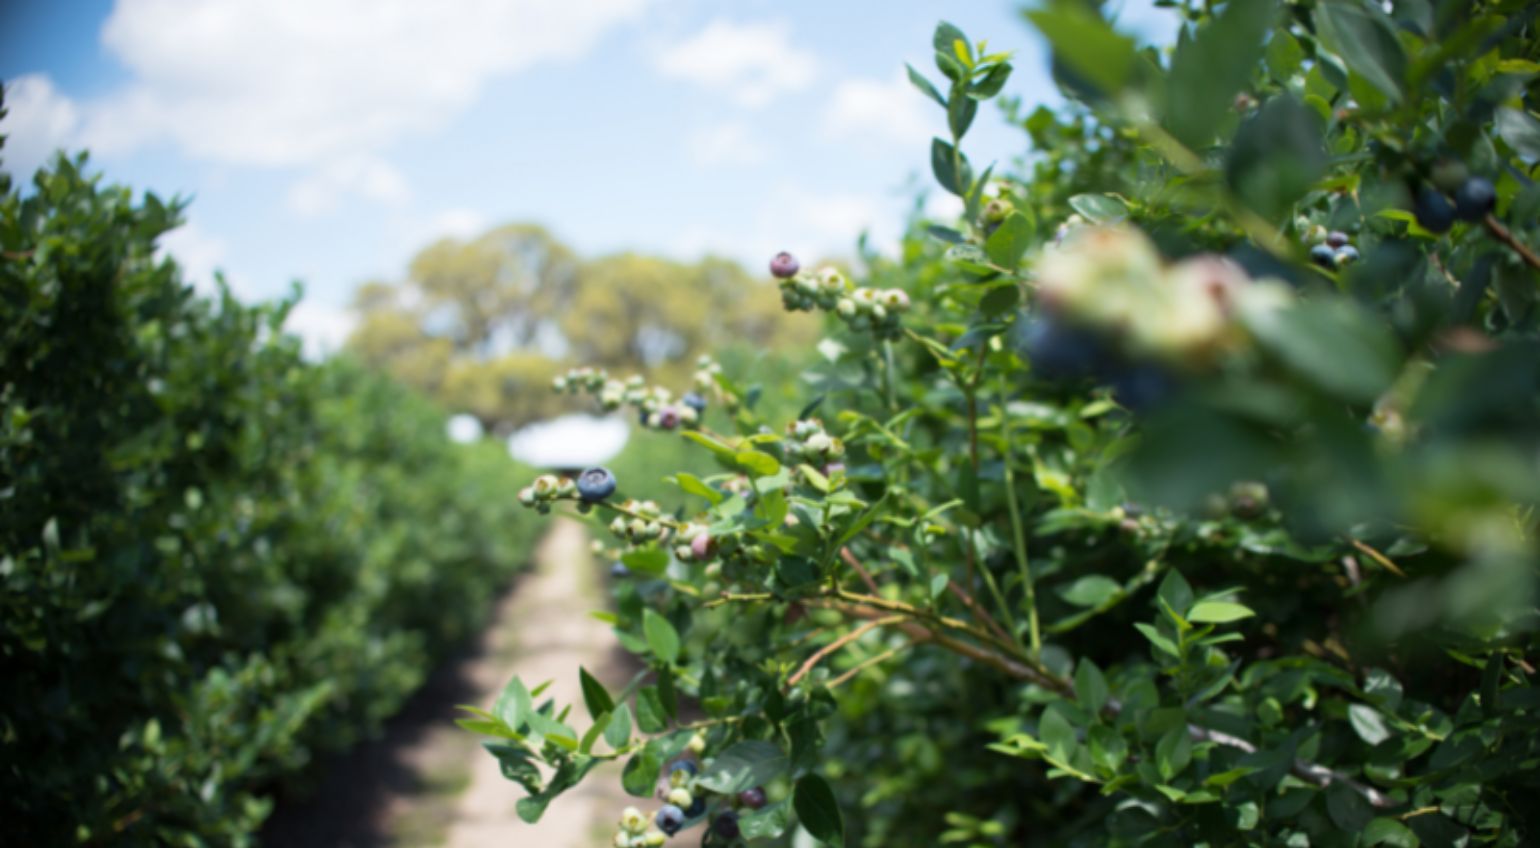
[216, 558]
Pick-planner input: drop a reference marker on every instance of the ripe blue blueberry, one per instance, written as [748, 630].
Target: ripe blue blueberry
[784, 266]
[595, 484]
[669, 819]
[1336, 238]
[726, 824]
[694, 401]
[1474, 199]
[1057, 351]
[1347, 254]
[1323, 256]
[752, 798]
[619, 570]
[687, 766]
[1140, 387]
[1433, 211]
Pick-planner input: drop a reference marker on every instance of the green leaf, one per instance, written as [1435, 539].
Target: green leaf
[1176, 592]
[946, 36]
[1056, 733]
[924, 85]
[1365, 38]
[1157, 639]
[1348, 809]
[757, 463]
[1333, 343]
[1091, 590]
[1085, 43]
[744, 765]
[692, 484]
[649, 561]
[1009, 242]
[767, 823]
[650, 715]
[1218, 612]
[959, 115]
[1099, 208]
[640, 776]
[1090, 686]
[1276, 156]
[595, 697]
[514, 705]
[950, 167]
[1173, 752]
[1520, 130]
[991, 83]
[1388, 831]
[1368, 723]
[618, 733]
[661, 636]
[817, 809]
[1208, 70]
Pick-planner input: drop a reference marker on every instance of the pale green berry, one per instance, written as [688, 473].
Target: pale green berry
[527, 496]
[633, 820]
[681, 798]
[845, 307]
[683, 553]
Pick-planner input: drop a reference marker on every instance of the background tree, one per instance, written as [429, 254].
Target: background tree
[483, 325]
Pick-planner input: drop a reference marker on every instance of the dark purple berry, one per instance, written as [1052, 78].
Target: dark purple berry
[1323, 256]
[619, 571]
[726, 824]
[669, 819]
[784, 266]
[1336, 238]
[595, 484]
[1433, 211]
[752, 798]
[694, 401]
[1347, 254]
[1474, 199]
[697, 806]
[668, 418]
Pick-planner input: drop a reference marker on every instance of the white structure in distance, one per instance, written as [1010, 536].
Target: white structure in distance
[571, 441]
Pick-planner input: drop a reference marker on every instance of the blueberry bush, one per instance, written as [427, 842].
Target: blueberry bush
[217, 560]
[1183, 492]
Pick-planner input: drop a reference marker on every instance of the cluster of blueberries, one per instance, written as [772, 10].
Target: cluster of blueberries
[590, 487]
[643, 524]
[876, 310]
[655, 405]
[808, 441]
[1473, 198]
[1335, 252]
[683, 801]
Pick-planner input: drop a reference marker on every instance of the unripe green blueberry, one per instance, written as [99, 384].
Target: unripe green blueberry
[545, 486]
[996, 210]
[683, 553]
[654, 838]
[895, 300]
[632, 820]
[697, 744]
[527, 496]
[879, 313]
[681, 798]
[622, 839]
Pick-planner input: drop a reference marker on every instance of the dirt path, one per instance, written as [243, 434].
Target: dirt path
[556, 635]
[427, 782]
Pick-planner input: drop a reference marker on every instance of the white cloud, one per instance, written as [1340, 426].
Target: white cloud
[199, 254]
[322, 326]
[752, 62]
[457, 224]
[887, 111]
[362, 174]
[298, 82]
[731, 143]
[40, 120]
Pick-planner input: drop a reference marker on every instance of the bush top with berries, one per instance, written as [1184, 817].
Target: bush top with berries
[1182, 492]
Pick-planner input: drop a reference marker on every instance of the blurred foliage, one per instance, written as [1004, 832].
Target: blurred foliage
[483, 325]
[1195, 502]
[216, 559]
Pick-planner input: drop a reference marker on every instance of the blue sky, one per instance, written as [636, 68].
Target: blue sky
[328, 140]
